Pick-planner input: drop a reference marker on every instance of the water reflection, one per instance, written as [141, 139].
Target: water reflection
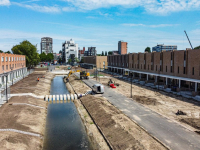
[64, 128]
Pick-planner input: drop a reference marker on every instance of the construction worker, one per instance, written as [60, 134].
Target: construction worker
[38, 79]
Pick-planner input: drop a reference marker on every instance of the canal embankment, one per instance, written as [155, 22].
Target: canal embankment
[25, 116]
[96, 138]
[118, 130]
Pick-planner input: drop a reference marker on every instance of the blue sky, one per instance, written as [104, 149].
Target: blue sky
[100, 23]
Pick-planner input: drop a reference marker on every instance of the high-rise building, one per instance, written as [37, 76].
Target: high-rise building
[122, 47]
[91, 51]
[46, 45]
[162, 47]
[69, 50]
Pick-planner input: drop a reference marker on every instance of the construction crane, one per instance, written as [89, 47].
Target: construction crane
[188, 39]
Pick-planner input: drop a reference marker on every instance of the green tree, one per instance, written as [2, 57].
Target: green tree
[1, 51]
[8, 52]
[147, 49]
[98, 54]
[49, 57]
[106, 53]
[198, 47]
[76, 60]
[102, 53]
[29, 50]
[82, 60]
[110, 53]
[43, 57]
[69, 60]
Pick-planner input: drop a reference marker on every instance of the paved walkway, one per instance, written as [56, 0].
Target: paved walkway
[169, 133]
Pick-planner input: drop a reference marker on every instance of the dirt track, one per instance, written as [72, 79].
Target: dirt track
[163, 103]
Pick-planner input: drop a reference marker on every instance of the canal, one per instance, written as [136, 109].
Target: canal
[64, 128]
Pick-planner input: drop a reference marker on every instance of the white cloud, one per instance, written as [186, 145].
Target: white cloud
[4, 2]
[161, 7]
[151, 26]
[35, 7]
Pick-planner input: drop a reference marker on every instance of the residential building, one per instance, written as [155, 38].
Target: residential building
[162, 47]
[99, 62]
[122, 47]
[11, 65]
[69, 48]
[46, 45]
[91, 51]
[81, 53]
[180, 69]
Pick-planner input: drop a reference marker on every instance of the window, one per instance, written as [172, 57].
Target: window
[148, 67]
[2, 59]
[3, 67]
[12, 58]
[6, 58]
[178, 69]
[171, 68]
[6, 67]
[141, 66]
[192, 70]
[10, 66]
[166, 68]
[15, 65]
[9, 58]
[15, 58]
[156, 67]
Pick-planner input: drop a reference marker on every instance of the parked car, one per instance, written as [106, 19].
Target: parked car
[98, 88]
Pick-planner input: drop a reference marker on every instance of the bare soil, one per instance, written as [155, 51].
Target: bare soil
[24, 117]
[28, 84]
[79, 86]
[118, 129]
[161, 102]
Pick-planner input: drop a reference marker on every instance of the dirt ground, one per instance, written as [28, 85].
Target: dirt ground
[118, 129]
[24, 118]
[30, 84]
[166, 104]
[78, 85]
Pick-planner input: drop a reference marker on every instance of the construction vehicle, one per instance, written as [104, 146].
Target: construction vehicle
[84, 75]
[111, 82]
[71, 72]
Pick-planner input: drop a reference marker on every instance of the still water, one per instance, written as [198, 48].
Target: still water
[64, 128]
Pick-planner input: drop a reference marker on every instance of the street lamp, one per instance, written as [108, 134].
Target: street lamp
[22, 70]
[6, 74]
[12, 73]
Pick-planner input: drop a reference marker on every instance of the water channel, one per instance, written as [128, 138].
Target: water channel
[64, 128]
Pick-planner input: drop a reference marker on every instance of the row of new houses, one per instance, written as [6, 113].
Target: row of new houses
[182, 63]
[175, 68]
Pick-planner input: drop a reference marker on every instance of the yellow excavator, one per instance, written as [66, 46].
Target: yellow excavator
[83, 74]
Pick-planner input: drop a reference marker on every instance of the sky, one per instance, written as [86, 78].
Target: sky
[100, 23]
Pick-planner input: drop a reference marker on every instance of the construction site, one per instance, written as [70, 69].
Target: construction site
[123, 117]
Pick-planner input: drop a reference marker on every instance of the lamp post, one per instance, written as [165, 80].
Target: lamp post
[6, 74]
[12, 73]
[22, 70]
[131, 84]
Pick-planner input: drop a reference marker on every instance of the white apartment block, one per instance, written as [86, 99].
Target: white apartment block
[68, 48]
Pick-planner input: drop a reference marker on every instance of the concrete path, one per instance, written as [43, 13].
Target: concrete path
[27, 94]
[169, 133]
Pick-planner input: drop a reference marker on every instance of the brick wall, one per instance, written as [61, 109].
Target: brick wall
[7, 61]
